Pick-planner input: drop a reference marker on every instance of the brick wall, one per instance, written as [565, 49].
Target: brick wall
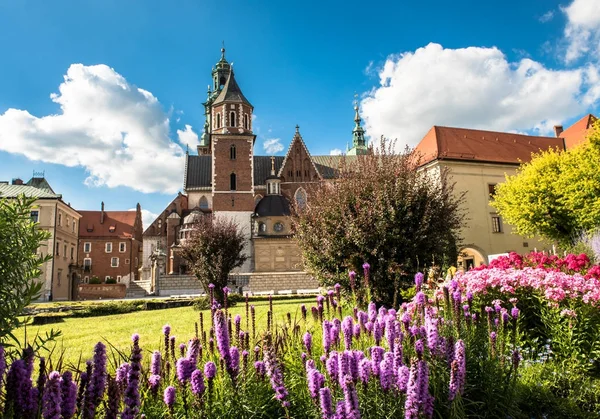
[102, 291]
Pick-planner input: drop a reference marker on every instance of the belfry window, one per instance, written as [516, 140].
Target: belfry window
[232, 152]
[218, 120]
[232, 119]
[246, 121]
[232, 182]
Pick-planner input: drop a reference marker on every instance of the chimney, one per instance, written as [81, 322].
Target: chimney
[558, 129]
[102, 213]
[17, 181]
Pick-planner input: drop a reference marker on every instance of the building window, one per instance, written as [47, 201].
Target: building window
[87, 247]
[107, 278]
[126, 261]
[496, 224]
[491, 190]
[246, 121]
[119, 278]
[232, 152]
[72, 253]
[232, 119]
[74, 225]
[278, 227]
[35, 215]
[86, 279]
[59, 277]
[218, 120]
[203, 204]
[57, 249]
[87, 265]
[262, 227]
[159, 223]
[122, 247]
[108, 247]
[114, 262]
[68, 222]
[59, 219]
[65, 250]
[232, 182]
[300, 197]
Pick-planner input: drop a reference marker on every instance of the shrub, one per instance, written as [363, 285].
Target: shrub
[95, 280]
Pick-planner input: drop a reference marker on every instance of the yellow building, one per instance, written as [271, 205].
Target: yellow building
[477, 161]
[62, 222]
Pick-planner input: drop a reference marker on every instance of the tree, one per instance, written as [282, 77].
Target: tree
[556, 195]
[20, 262]
[382, 209]
[214, 248]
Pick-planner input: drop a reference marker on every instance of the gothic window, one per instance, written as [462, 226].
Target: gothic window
[246, 121]
[232, 182]
[203, 203]
[222, 82]
[232, 152]
[218, 120]
[300, 197]
[232, 119]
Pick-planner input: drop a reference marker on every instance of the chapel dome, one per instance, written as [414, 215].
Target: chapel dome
[272, 205]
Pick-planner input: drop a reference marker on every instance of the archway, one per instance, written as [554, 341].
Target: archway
[471, 257]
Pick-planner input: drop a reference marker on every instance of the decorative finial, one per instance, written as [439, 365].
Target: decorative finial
[355, 101]
[356, 115]
[297, 129]
[222, 50]
[272, 165]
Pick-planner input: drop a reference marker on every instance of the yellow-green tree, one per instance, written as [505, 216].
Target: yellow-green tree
[556, 195]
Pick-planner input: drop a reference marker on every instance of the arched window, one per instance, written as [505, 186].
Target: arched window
[218, 120]
[246, 121]
[203, 204]
[232, 152]
[300, 197]
[232, 119]
[262, 227]
[257, 199]
[232, 182]
[222, 82]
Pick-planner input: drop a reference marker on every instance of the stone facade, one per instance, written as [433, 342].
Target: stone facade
[102, 291]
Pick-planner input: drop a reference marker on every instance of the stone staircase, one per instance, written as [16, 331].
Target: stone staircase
[137, 289]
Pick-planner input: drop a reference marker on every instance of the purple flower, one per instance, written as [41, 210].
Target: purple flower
[259, 366]
[332, 366]
[169, 397]
[97, 385]
[387, 376]
[352, 276]
[234, 361]
[516, 358]
[398, 355]
[185, 368]
[132, 393]
[155, 363]
[222, 335]
[350, 399]
[326, 336]
[316, 381]
[276, 376]
[113, 399]
[377, 332]
[413, 392]
[153, 383]
[344, 359]
[198, 386]
[121, 374]
[210, 370]
[419, 280]
[348, 330]
[51, 407]
[419, 348]
[307, 340]
[431, 325]
[193, 350]
[2, 365]
[364, 370]
[69, 395]
[19, 389]
[403, 376]
[337, 287]
[356, 331]
[325, 399]
[514, 312]
[372, 310]
[376, 358]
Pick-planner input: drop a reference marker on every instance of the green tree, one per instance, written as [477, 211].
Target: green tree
[381, 209]
[556, 195]
[214, 248]
[20, 262]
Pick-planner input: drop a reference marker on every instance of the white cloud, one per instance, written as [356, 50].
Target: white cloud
[147, 217]
[474, 88]
[547, 17]
[188, 137]
[273, 146]
[336, 152]
[118, 132]
[582, 32]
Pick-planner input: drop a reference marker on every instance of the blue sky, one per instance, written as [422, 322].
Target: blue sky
[128, 75]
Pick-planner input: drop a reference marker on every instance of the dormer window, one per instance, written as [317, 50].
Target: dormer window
[232, 152]
[112, 229]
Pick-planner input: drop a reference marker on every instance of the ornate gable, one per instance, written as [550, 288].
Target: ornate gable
[297, 165]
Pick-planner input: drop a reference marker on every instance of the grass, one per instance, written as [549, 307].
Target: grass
[79, 335]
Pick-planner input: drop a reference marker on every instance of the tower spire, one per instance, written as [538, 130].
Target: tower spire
[358, 133]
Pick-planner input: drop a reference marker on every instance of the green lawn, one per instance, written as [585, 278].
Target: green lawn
[79, 335]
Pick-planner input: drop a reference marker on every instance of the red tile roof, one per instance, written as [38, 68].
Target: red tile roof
[445, 143]
[116, 224]
[577, 133]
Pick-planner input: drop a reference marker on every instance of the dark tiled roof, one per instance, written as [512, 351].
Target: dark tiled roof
[273, 205]
[199, 172]
[262, 168]
[40, 183]
[327, 165]
[231, 92]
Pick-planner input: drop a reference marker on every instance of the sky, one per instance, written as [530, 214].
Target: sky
[105, 96]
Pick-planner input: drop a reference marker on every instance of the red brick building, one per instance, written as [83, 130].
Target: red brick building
[110, 245]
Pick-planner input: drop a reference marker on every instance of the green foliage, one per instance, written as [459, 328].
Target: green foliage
[380, 209]
[214, 249]
[111, 280]
[105, 309]
[95, 280]
[556, 194]
[20, 262]
[203, 303]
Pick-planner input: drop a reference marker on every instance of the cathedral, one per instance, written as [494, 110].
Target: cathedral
[226, 178]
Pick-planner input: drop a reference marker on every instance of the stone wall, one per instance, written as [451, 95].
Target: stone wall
[101, 291]
[179, 285]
